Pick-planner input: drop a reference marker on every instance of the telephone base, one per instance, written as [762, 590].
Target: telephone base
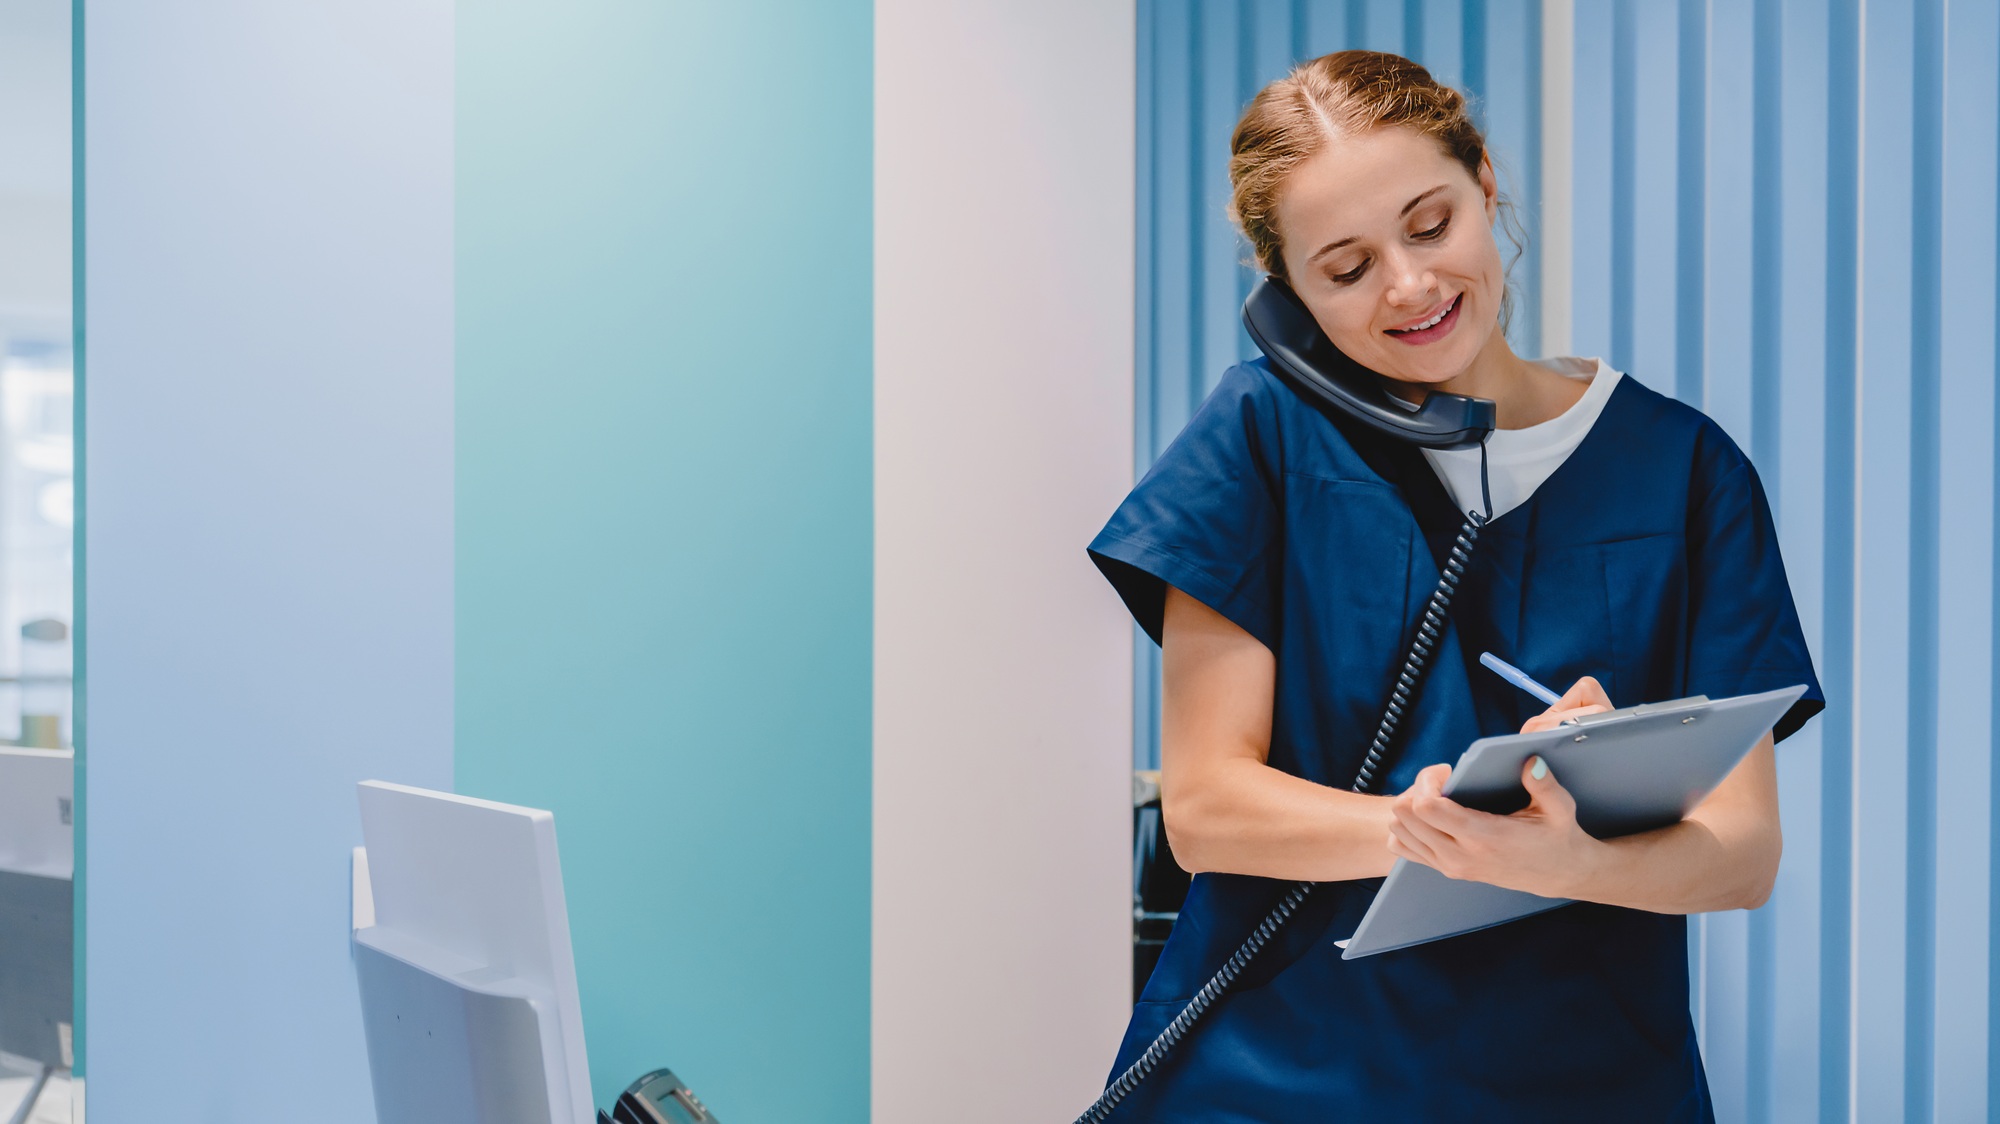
[657, 1098]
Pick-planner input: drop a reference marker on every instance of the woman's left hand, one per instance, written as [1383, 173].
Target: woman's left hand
[1538, 849]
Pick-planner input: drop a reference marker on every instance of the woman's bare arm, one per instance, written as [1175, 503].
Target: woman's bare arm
[1723, 856]
[1226, 809]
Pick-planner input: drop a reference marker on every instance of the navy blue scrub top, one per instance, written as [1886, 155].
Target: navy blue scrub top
[1648, 560]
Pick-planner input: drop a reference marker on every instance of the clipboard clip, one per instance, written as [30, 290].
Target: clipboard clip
[1688, 708]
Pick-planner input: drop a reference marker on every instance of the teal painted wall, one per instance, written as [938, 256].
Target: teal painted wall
[664, 517]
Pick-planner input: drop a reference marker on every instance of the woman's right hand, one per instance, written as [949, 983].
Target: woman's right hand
[1585, 696]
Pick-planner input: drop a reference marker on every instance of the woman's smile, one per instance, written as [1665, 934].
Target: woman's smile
[1436, 327]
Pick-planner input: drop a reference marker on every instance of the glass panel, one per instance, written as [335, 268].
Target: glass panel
[37, 514]
[37, 517]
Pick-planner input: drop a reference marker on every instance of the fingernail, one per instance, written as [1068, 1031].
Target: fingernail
[1540, 770]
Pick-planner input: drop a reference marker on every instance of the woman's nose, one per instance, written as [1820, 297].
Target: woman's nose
[1408, 283]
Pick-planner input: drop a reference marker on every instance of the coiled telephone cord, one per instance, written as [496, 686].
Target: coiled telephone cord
[1429, 631]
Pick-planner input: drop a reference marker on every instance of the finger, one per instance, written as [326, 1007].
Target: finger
[1397, 849]
[1430, 835]
[1585, 696]
[1584, 692]
[1556, 716]
[1545, 793]
[1405, 846]
[1430, 779]
[1446, 815]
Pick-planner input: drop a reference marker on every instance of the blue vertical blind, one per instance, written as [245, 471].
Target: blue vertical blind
[1785, 213]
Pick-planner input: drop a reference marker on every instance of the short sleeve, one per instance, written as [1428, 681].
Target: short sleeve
[1743, 632]
[1206, 519]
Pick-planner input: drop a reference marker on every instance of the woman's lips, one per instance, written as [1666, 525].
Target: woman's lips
[1435, 331]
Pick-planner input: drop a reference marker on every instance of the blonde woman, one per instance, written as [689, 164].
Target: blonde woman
[1282, 558]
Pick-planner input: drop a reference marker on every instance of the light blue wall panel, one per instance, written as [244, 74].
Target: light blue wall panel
[1437, 32]
[1221, 88]
[1881, 462]
[1834, 489]
[1963, 934]
[1597, 210]
[268, 284]
[665, 524]
[1381, 24]
[1148, 148]
[1804, 1022]
[1649, 296]
[1506, 52]
[1722, 339]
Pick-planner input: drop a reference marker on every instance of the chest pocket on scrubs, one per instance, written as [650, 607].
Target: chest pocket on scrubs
[1558, 618]
[1605, 609]
[1646, 583]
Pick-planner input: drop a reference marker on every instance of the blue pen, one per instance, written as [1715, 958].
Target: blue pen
[1519, 678]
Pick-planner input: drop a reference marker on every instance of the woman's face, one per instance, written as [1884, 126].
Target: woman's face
[1382, 232]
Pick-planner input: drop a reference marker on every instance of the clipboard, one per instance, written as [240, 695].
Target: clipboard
[1630, 770]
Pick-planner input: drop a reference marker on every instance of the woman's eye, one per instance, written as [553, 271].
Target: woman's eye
[1353, 275]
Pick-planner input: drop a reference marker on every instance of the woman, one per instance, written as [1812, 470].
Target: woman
[1282, 556]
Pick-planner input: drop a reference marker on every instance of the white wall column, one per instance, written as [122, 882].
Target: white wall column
[1004, 207]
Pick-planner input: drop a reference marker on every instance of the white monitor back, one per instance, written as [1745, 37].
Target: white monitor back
[471, 891]
[37, 792]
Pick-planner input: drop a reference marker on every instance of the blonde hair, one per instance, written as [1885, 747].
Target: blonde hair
[1352, 92]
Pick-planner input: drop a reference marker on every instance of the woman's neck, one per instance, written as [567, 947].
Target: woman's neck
[1523, 393]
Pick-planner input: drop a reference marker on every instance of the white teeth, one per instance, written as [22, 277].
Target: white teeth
[1432, 322]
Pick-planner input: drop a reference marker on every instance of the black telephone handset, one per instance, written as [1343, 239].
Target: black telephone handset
[1301, 354]
[1322, 374]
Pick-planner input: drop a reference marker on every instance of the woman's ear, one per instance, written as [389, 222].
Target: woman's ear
[1490, 187]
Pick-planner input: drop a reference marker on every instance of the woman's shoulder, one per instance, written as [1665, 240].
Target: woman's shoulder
[1286, 434]
[1667, 428]
[1251, 390]
[1241, 417]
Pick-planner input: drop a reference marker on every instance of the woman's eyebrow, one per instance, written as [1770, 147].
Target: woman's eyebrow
[1407, 208]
